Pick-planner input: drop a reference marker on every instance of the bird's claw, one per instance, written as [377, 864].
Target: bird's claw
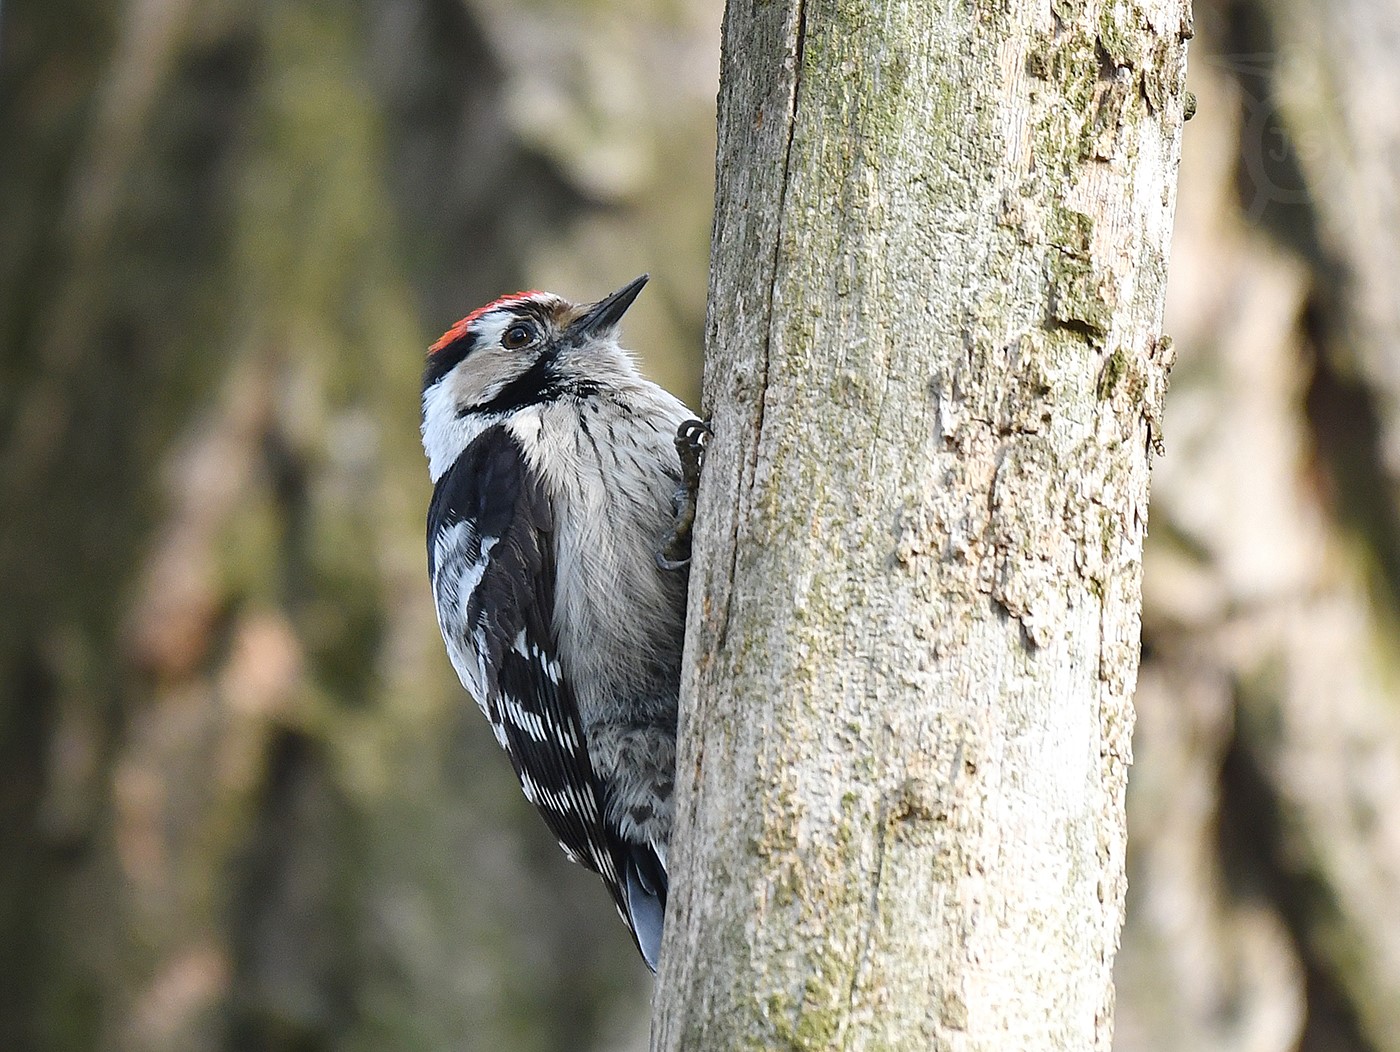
[691, 439]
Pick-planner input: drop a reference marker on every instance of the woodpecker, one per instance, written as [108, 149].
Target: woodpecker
[558, 540]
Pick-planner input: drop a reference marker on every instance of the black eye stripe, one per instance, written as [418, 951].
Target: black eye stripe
[442, 362]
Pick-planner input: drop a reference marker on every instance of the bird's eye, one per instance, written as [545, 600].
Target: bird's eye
[518, 336]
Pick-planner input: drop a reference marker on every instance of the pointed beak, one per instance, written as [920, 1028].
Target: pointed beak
[608, 311]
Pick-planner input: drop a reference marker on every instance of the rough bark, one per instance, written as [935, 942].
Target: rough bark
[936, 367]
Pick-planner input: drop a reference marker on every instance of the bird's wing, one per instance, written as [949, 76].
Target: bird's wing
[490, 556]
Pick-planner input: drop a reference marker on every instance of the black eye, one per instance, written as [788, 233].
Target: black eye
[518, 336]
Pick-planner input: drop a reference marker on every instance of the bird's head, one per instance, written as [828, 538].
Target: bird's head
[522, 350]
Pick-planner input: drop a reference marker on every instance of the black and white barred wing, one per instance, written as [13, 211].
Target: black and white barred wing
[490, 559]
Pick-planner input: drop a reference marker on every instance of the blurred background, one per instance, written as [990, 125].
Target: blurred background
[243, 801]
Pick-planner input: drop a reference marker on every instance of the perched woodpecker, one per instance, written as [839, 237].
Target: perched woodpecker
[559, 570]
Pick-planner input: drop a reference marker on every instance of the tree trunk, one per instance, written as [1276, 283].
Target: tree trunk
[936, 368]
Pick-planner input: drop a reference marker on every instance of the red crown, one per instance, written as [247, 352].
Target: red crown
[459, 330]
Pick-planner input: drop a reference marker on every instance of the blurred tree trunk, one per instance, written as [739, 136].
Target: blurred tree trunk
[936, 367]
[245, 804]
[1265, 846]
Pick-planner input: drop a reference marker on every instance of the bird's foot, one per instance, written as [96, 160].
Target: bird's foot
[691, 439]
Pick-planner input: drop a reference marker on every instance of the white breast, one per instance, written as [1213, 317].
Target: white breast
[610, 467]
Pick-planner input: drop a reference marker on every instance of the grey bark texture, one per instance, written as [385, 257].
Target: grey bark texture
[935, 367]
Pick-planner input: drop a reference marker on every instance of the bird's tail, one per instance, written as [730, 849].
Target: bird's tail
[645, 887]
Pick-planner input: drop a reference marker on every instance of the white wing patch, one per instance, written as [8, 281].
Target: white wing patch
[564, 801]
[527, 721]
[453, 585]
[542, 661]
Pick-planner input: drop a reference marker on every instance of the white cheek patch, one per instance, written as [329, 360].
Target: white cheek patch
[477, 379]
[445, 433]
